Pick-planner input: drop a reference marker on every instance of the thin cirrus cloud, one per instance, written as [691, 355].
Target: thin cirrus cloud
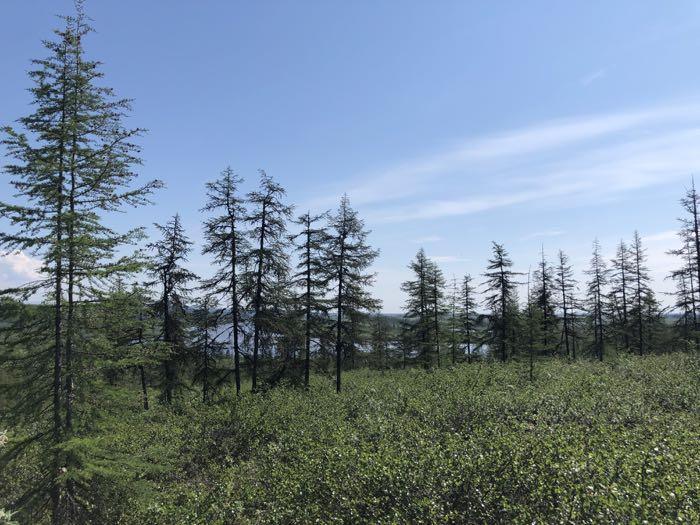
[447, 258]
[427, 239]
[539, 235]
[415, 176]
[668, 235]
[584, 157]
[592, 77]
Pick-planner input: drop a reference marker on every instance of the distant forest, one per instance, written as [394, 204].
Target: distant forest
[289, 295]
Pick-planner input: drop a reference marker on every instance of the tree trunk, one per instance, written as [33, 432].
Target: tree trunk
[234, 311]
[339, 316]
[258, 298]
[307, 355]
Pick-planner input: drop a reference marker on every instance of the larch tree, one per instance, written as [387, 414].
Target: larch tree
[532, 325]
[500, 299]
[172, 280]
[436, 301]
[686, 293]
[311, 278]
[226, 241]
[688, 276]
[565, 287]
[417, 317]
[595, 298]
[267, 261]
[73, 163]
[644, 310]
[544, 302]
[467, 315]
[620, 281]
[453, 307]
[690, 226]
[348, 258]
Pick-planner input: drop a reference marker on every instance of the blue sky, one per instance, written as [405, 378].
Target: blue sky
[449, 124]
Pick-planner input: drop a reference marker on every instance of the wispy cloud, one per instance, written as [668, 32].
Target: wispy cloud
[514, 148]
[661, 236]
[427, 239]
[538, 235]
[632, 162]
[447, 258]
[592, 77]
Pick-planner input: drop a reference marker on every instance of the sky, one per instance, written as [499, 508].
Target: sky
[451, 124]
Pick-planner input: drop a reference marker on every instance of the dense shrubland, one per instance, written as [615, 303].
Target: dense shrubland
[584, 442]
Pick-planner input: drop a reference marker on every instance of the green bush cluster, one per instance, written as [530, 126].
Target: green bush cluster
[584, 443]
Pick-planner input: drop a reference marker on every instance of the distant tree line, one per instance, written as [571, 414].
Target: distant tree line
[615, 311]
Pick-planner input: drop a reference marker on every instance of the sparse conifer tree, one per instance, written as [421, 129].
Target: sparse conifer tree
[620, 281]
[468, 315]
[500, 299]
[73, 163]
[417, 315]
[544, 302]
[312, 279]
[595, 298]
[227, 242]
[436, 300]
[267, 262]
[172, 281]
[348, 257]
[565, 286]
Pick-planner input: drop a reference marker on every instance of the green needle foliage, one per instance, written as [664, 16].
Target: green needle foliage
[73, 163]
[267, 264]
[311, 279]
[348, 256]
[227, 243]
[171, 280]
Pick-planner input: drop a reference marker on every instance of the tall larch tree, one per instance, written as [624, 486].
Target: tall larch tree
[267, 260]
[348, 258]
[73, 163]
[686, 292]
[436, 301]
[532, 324]
[644, 311]
[690, 227]
[688, 276]
[500, 299]
[468, 317]
[226, 241]
[595, 298]
[565, 289]
[453, 308]
[311, 278]
[544, 302]
[417, 324]
[620, 281]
